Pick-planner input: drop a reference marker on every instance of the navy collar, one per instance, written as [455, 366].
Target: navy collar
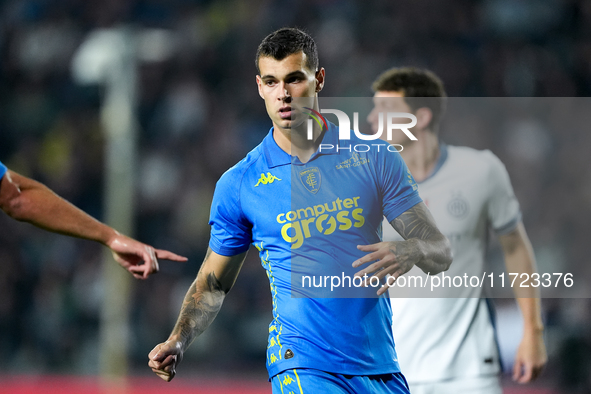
[276, 156]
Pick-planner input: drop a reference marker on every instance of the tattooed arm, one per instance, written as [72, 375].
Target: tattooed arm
[27, 200]
[424, 246]
[200, 307]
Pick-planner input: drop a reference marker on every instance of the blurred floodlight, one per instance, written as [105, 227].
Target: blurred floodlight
[96, 56]
[94, 59]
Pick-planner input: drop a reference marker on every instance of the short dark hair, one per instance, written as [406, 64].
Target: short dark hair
[287, 41]
[421, 88]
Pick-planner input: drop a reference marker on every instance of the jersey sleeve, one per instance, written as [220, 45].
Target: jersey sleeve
[503, 209]
[398, 188]
[3, 170]
[231, 232]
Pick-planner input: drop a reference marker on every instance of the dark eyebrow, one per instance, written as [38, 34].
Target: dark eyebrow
[291, 74]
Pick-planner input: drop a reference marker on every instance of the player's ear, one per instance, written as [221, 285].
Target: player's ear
[319, 79]
[260, 86]
[424, 118]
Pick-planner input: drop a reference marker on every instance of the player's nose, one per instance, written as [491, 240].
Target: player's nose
[286, 96]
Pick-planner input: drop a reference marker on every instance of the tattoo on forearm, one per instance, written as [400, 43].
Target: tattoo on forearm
[416, 222]
[199, 308]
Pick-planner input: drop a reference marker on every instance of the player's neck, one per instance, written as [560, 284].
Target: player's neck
[421, 156]
[295, 142]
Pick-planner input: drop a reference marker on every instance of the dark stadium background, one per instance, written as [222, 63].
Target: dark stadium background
[199, 113]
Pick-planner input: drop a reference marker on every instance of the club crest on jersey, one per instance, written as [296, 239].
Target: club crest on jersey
[311, 179]
[458, 207]
[265, 179]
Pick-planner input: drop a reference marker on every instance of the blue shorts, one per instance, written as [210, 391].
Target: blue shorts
[312, 381]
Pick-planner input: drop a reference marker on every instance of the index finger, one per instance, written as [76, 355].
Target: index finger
[370, 247]
[365, 259]
[166, 255]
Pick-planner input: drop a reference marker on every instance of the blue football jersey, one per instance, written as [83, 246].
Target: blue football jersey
[2, 170]
[306, 220]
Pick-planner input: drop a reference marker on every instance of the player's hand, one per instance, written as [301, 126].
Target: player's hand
[389, 258]
[530, 358]
[164, 359]
[139, 259]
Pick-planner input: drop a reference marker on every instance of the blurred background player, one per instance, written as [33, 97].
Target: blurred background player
[29, 201]
[447, 345]
[316, 345]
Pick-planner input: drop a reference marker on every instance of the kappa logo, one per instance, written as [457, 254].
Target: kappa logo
[287, 380]
[265, 179]
[311, 179]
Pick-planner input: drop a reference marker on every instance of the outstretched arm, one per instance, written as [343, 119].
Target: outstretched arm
[424, 246]
[29, 201]
[200, 307]
[531, 354]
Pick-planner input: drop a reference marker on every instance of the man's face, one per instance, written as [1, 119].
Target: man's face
[282, 80]
[384, 102]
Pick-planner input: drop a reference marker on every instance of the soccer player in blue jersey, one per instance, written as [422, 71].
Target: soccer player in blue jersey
[448, 344]
[29, 201]
[306, 207]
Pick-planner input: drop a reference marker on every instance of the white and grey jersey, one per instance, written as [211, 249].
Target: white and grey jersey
[468, 193]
